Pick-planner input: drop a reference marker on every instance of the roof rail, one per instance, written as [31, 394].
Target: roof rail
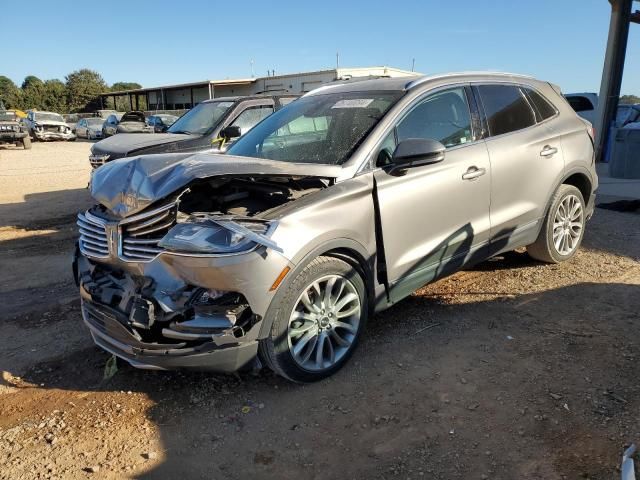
[418, 81]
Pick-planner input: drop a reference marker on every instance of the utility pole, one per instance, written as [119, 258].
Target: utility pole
[337, 60]
[413, 65]
[253, 74]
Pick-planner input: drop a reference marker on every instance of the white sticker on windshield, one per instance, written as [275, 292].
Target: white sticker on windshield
[353, 103]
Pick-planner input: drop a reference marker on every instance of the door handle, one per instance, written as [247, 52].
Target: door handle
[547, 151]
[473, 173]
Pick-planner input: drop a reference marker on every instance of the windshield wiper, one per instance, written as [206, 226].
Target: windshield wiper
[181, 131]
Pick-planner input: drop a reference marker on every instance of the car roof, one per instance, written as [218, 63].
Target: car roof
[409, 83]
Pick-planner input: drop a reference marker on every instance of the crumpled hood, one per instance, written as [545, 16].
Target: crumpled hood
[123, 144]
[129, 185]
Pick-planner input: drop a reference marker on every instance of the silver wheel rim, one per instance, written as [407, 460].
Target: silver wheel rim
[567, 225]
[324, 323]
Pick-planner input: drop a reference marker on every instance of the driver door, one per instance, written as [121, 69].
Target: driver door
[434, 218]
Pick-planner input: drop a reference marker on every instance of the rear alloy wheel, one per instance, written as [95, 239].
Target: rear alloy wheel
[563, 227]
[318, 324]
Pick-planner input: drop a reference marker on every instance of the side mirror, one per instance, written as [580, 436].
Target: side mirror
[415, 152]
[232, 131]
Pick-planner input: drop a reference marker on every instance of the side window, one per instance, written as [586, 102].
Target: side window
[251, 116]
[443, 116]
[506, 108]
[541, 105]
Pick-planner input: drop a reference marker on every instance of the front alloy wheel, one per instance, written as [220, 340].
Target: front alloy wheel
[316, 321]
[324, 322]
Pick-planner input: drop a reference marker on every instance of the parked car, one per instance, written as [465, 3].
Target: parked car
[47, 126]
[161, 122]
[202, 128]
[584, 104]
[90, 128]
[110, 125]
[12, 130]
[133, 122]
[338, 205]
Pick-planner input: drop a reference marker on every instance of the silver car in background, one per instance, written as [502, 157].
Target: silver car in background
[337, 206]
[89, 128]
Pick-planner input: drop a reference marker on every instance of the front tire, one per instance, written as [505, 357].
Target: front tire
[26, 143]
[318, 322]
[563, 227]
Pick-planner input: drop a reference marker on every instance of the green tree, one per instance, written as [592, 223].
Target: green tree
[10, 93]
[32, 93]
[629, 99]
[83, 90]
[119, 86]
[54, 97]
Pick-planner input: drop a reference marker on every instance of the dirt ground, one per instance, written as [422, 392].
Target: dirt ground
[513, 369]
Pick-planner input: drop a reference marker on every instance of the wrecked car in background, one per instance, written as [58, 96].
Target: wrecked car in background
[133, 122]
[12, 130]
[210, 125]
[338, 205]
[45, 126]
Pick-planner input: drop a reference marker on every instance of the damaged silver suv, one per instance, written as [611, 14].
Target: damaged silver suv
[337, 206]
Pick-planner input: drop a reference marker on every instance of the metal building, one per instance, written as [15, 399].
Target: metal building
[186, 95]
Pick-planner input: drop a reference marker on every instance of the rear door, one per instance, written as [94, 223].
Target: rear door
[434, 218]
[526, 161]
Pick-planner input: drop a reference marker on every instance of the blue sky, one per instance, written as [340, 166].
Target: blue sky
[162, 42]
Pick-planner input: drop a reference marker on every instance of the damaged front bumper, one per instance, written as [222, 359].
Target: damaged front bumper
[44, 135]
[178, 311]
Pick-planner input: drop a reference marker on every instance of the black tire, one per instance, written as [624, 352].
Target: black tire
[26, 143]
[544, 248]
[275, 351]
[33, 136]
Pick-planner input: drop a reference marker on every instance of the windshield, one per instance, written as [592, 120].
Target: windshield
[200, 119]
[8, 117]
[317, 129]
[48, 117]
[95, 122]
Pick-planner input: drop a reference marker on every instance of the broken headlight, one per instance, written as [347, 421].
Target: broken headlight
[219, 235]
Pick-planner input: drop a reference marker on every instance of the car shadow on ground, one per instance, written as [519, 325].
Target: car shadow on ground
[407, 393]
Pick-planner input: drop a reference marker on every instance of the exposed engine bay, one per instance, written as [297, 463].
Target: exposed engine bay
[245, 196]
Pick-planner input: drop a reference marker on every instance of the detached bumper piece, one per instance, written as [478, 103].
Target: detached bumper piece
[201, 336]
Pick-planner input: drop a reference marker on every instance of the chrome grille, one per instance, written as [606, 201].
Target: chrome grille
[141, 233]
[93, 235]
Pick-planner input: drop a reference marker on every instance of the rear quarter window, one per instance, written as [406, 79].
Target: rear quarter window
[541, 105]
[506, 108]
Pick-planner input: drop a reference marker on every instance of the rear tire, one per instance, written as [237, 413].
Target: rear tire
[563, 227]
[318, 322]
[26, 143]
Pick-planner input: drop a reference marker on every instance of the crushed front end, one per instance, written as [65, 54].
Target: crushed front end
[183, 282]
[51, 132]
